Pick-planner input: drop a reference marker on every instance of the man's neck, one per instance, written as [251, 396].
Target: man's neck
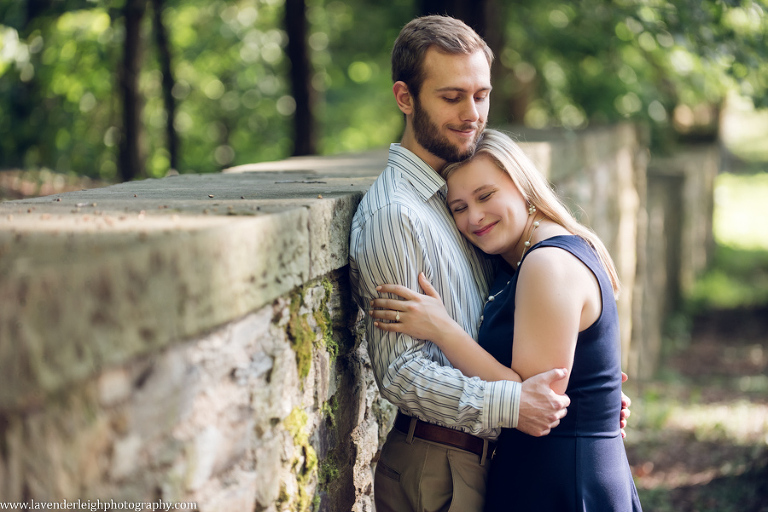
[409, 142]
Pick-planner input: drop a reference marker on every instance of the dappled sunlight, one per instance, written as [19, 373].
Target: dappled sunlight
[739, 423]
[741, 210]
[678, 442]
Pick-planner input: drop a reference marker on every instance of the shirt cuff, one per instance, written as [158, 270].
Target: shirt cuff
[502, 404]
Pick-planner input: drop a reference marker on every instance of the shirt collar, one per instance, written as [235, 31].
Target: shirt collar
[425, 180]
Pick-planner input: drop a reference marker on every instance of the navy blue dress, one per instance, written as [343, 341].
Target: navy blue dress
[581, 465]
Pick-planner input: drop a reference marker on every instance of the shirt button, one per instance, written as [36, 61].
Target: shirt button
[482, 317]
[490, 298]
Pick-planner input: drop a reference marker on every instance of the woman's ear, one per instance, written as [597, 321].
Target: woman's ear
[403, 97]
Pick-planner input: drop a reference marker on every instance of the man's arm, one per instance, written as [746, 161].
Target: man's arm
[423, 315]
[390, 249]
[541, 409]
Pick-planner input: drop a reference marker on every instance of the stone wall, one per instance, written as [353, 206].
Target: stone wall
[192, 339]
[677, 240]
[247, 417]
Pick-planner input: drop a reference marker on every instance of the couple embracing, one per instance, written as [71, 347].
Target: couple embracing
[491, 315]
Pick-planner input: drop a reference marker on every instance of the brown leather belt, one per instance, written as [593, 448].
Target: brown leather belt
[443, 435]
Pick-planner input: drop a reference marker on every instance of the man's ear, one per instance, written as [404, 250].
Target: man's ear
[403, 97]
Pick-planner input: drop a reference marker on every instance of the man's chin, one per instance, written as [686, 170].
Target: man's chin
[464, 152]
[450, 152]
[466, 149]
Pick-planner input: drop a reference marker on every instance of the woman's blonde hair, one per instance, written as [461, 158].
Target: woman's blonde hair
[536, 190]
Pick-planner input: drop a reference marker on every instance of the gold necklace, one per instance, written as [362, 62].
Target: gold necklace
[531, 211]
[491, 298]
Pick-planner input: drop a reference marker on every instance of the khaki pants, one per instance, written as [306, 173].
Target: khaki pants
[421, 476]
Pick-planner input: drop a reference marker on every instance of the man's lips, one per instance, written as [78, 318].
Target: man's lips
[465, 131]
[484, 230]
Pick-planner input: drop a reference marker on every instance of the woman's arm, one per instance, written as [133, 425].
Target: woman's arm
[557, 297]
[423, 316]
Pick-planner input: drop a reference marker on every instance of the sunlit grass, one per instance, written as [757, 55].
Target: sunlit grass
[744, 130]
[741, 210]
[739, 423]
[686, 449]
[738, 276]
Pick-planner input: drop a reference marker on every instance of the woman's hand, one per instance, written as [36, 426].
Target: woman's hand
[625, 404]
[421, 316]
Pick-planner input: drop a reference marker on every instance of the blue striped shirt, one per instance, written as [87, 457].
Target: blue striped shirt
[402, 227]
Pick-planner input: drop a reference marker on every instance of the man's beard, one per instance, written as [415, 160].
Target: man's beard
[429, 137]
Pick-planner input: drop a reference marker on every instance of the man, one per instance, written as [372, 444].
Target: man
[441, 70]
[436, 455]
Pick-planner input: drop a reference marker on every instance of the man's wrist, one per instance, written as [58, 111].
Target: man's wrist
[518, 392]
[502, 403]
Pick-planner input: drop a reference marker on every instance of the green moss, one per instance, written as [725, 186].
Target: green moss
[305, 467]
[295, 423]
[329, 471]
[324, 321]
[328, 286]
[301, 335]
[283, 497]
[329, 409]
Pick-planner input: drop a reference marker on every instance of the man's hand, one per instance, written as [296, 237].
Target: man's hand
[625, 403]
[541, 408]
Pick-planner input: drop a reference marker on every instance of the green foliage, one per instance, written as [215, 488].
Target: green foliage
[741, 210]
[568, 63]
[738, 278]
[56, 94]
[351, 44]
[593, 61]
[232, 89]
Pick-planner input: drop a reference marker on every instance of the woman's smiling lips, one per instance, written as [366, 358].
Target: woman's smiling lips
[484, 230]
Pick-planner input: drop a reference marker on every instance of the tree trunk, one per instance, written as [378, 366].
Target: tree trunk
[164, 53]
[130, 164]
[36, 8]
[304, 133]
[510, 99]
[470, 12]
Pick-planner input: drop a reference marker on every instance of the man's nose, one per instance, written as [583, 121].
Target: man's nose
[470, 112]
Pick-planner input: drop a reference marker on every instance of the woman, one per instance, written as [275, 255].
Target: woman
[555, 297]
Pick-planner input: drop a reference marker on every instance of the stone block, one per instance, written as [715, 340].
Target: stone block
[96, 299]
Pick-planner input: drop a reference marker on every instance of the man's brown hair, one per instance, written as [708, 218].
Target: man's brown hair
[446, 34]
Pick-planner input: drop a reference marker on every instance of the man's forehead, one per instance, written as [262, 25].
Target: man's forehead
[459, 72]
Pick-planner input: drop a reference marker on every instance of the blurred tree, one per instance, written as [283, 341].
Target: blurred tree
[471, 13]
[131, 161]
[166, 68]
[304, 136]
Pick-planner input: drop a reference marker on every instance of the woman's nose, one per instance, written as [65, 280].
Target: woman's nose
[476, 216]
